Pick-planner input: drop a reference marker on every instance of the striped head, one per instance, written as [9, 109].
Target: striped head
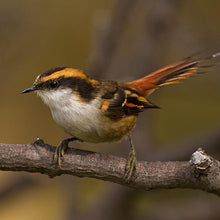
[57, 85]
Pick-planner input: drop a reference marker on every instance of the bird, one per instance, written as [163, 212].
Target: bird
[96, 111]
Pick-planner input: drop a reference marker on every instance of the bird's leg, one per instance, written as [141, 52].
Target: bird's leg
[131, 166]
[60, 150]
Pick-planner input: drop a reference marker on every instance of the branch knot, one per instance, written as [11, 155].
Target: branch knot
[201, 161]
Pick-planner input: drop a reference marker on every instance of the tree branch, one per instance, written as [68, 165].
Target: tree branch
[201, 172]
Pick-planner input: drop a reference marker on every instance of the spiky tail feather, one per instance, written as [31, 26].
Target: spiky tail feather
[169, 74]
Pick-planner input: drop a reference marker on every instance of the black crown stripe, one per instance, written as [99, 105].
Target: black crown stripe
[51, 71]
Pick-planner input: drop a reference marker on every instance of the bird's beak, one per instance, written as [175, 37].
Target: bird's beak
[30, 89]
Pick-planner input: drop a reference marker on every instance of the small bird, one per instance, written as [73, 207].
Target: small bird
[103, 111]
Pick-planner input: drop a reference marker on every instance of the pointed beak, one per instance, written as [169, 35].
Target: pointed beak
[30, 89]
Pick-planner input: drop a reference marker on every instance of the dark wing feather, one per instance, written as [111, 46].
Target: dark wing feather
[122, 102]
[136, 103]
[113, 106]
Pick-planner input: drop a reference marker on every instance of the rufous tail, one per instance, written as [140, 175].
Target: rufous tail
[168, 75]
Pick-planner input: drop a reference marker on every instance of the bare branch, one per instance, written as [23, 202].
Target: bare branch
[201, 172]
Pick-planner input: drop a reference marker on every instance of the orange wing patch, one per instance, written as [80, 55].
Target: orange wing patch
[105, 105]
[131, 105]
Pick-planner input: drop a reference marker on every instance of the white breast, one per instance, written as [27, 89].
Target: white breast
[84, 120]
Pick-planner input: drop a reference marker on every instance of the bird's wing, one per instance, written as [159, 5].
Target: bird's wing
[122, 102]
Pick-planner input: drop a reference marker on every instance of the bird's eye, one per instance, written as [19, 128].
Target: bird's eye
[54, 84]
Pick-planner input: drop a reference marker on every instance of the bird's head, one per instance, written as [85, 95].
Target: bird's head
[58, 85]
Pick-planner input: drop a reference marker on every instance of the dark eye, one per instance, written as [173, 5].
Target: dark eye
[54, 84]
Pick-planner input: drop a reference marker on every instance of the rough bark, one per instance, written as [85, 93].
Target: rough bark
[201, 172]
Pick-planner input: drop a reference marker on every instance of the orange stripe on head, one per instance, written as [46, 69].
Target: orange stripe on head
[67, 72]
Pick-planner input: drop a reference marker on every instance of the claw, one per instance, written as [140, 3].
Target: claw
[60, 150]
[131, 165]
[39, 142]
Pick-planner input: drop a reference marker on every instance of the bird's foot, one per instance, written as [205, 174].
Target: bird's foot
[60, 150]
[39, 142]
[131, 165]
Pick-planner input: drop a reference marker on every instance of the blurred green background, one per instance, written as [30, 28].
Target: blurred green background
[118, 40]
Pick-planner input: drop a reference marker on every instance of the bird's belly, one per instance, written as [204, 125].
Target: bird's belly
[91, 125]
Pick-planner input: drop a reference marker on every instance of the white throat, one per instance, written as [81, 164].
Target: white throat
[75, 116]
[55, 98]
